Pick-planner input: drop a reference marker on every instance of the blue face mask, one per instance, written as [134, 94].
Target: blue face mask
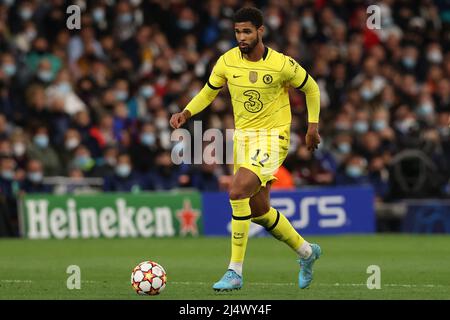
[148, 139]
[361, 127]
[147, 91]
[41, 140]
[8, 3]
[25, 13]
[64, 87]
[344, 148]
[121, 95]
[125, 18]
[82, 161]
[353, 171]
[7, 174]
[9, 69]
[379, 125]
[123, 170]
[341, 126]
[425, 109]
[35, 177]
[409, 62]
[185, 24]
[98, 14]
[45, 75]
[367, 94]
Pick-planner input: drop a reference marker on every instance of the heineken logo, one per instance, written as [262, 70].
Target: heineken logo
[122, 217]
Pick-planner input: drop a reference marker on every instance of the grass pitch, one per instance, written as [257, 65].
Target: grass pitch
[412, 267]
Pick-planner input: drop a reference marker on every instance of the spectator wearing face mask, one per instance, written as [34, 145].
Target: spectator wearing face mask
[361, 122]
[341, 148]
[41, 61]
[145, 92]
[66, 151]
[143, 151]
[83, 160]
[122, 94]
[61, 91]
[41, 150]
[124, 179]
[353, 172]
[126, 20]
[33, 182]
[11, 105]
[19, 144]
[107, 162]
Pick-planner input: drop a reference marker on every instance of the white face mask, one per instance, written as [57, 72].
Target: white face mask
[35, 177]
[434, 56]
[19, 149]
[123, 170]
[274, 21]
[7, 174]
[72, 143]
[161, 123]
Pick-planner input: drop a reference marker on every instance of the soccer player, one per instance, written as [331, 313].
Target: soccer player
[258, 79]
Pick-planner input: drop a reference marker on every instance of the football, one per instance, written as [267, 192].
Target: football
[148, 278]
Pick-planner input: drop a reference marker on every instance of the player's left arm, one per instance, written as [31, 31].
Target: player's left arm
[298, 78]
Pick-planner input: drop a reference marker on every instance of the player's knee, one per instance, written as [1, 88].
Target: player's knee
[237, 194]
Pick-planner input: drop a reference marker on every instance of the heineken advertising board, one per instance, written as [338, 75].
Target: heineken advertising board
[111, 215]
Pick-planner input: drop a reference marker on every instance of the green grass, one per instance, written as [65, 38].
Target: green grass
[412, 267]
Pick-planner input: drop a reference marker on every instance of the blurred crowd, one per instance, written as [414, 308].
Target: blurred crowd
[95, 102]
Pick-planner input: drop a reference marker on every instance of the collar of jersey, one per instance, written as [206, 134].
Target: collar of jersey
[265, 54]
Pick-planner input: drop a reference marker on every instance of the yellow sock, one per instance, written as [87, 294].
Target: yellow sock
[280, 228]
[240, 225]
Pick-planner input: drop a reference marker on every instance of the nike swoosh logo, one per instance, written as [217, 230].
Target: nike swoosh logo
[235, 76]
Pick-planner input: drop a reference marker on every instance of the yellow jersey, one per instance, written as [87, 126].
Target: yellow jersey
[259, 90]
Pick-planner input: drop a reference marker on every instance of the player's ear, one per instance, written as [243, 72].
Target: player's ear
[261, 31]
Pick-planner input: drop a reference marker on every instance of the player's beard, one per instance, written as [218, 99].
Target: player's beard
[250, 47]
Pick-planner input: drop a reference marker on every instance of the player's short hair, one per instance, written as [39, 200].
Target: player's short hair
[252, 14]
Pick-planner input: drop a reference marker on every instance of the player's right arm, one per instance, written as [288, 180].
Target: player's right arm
[298, 78]
[204, 98]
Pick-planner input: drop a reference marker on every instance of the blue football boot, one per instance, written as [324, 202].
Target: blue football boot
[230, 281]
[305, 275]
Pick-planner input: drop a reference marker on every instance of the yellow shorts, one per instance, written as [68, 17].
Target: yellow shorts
[261, 151]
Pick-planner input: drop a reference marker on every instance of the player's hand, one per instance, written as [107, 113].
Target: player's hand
[312, 137]
[178, 119]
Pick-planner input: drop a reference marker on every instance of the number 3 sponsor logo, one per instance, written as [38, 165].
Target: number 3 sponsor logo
[253, 104]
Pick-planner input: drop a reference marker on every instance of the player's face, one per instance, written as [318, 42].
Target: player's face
[247, 36]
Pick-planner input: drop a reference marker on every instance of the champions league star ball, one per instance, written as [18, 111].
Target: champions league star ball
[148, 278]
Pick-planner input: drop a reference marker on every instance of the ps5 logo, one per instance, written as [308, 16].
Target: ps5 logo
[330, 209]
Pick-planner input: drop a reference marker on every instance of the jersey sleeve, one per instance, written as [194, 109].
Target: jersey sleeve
[296, 76]
[217, 78]
[293, 72]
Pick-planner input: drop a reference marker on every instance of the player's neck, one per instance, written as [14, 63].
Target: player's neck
[257, 53]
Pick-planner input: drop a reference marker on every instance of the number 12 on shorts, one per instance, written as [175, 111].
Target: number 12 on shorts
[262, 161]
